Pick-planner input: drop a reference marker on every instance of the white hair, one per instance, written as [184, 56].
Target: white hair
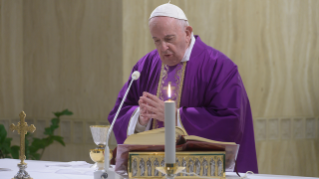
[183, 23]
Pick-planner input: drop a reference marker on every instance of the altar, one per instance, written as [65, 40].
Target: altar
[82, 170]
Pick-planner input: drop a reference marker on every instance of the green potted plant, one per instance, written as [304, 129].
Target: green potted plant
[34, 147]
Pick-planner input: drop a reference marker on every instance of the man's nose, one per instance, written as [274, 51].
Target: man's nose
[164, 46]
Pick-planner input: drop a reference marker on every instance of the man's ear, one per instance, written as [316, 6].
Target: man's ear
[188, 32]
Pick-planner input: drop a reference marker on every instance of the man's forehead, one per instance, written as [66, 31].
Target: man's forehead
[166, 36]
[164, 23]
[164, 27]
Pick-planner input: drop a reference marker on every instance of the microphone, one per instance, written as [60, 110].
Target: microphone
[108, 173]
[136, 75]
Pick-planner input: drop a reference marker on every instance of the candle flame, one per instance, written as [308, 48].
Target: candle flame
[169, 91]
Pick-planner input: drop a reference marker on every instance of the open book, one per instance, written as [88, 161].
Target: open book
[154, 140]
[157, 137]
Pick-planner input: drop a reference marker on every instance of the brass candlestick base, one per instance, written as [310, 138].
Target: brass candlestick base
[22, 174]
[171, 170]
[97, 155]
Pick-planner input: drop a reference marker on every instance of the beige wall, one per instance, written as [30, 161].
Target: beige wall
[11, 58]
[11, 62]
[77, 54]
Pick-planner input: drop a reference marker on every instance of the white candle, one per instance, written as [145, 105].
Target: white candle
[170, 146]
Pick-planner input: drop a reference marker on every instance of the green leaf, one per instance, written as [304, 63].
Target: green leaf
[48, 131]
[6, 149]
[3, 133]
[48, 141]
[53, 128]
[35, 156]
[55, 122]
[33, 149]
[7, 141]
[27, 151]
[37, 144]
[67, 112]
[57, 114]
[64, 112]
[15, 151]
[58, 139]
[6, 145]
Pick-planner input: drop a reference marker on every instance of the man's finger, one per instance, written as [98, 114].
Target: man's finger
[143, 107]
[143, 111]
[149, 95]
[150, 109]
[154, 116]
[150, 101]
[141, 100]
[145, 93]
[144, 115]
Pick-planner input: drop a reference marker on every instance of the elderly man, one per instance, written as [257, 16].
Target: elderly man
[208, 90]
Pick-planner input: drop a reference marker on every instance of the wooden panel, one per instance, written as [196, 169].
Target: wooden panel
[72, 57]
[289, 157]
[11, 59]
[287, 146]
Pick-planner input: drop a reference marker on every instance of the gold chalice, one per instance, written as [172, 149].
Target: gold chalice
[99, 133]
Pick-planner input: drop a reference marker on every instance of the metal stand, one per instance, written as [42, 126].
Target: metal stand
[22, 174]
[98, 166]
[102, 174]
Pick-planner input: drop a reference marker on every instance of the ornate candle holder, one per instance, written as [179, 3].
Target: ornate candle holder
[99, 133]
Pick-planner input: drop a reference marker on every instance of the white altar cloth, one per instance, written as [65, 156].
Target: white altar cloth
[82, 170]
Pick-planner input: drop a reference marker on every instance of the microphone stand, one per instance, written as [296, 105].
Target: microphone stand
[107, 173]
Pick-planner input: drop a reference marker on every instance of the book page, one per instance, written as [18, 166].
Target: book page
[197, 138]
[152, 137]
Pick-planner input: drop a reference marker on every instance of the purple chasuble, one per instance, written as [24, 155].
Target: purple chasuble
[213, 100]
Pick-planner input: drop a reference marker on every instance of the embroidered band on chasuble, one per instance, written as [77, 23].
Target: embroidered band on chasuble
[175, 77]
